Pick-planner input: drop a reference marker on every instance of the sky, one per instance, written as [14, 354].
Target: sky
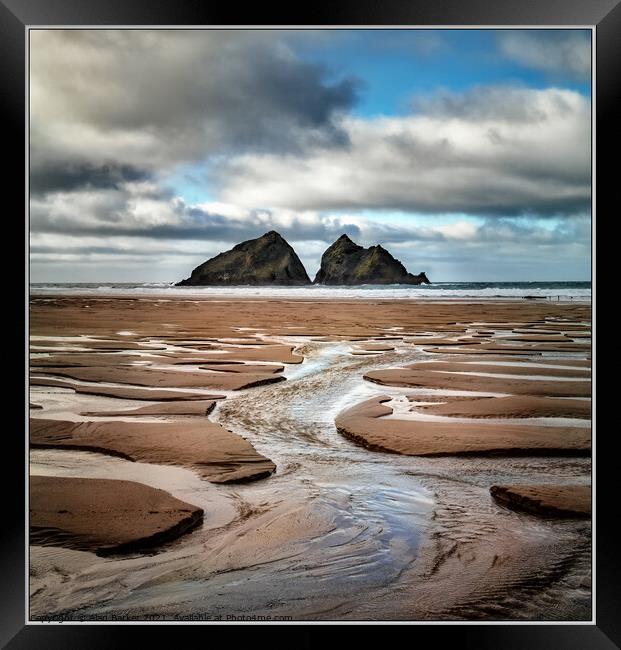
[465, 153]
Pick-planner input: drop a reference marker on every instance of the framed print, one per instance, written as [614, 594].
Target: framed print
[309, 321]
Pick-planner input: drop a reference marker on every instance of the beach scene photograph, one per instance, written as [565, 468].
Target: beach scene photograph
[310, 325]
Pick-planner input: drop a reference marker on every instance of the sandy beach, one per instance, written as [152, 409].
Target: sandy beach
[105, 516]
[310, 323]
[392, 459]
[550, 500]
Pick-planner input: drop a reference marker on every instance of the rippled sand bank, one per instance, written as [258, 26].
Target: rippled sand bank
[338, 531]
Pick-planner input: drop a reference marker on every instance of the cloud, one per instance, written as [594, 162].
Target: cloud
[458, 249]
[491, 151]
[148, 99]
[565, 53]
[138, 231]
[143, 209]
[66, 176]
[121, 118]
[108, 220]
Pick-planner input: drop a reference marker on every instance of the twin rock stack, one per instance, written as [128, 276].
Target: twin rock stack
[270, 260]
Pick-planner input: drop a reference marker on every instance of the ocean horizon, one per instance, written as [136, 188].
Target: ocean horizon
[578, 291]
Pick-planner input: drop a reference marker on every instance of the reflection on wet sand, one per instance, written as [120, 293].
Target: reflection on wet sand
[338, 531]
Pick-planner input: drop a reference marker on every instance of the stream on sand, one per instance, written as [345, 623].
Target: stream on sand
[337, 533]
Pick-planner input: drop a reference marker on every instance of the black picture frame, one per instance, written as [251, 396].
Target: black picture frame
[17, 15]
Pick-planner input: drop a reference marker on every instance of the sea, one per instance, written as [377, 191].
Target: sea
[560, 291]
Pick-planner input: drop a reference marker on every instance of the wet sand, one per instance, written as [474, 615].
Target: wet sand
[77, 359]
[500, 369]
[122, 392]
[104, 516]
[169, 408]
[415, 534]
[214, 319]
[365, 424]
[546, 500]
[152, 378]
[507, 350]
[413, 378]
[213, 452]
[509, 407]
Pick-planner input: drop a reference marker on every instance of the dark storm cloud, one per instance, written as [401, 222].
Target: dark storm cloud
[65, 176]
[152, 99]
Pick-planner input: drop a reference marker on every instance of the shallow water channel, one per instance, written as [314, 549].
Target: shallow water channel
[338, 532]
